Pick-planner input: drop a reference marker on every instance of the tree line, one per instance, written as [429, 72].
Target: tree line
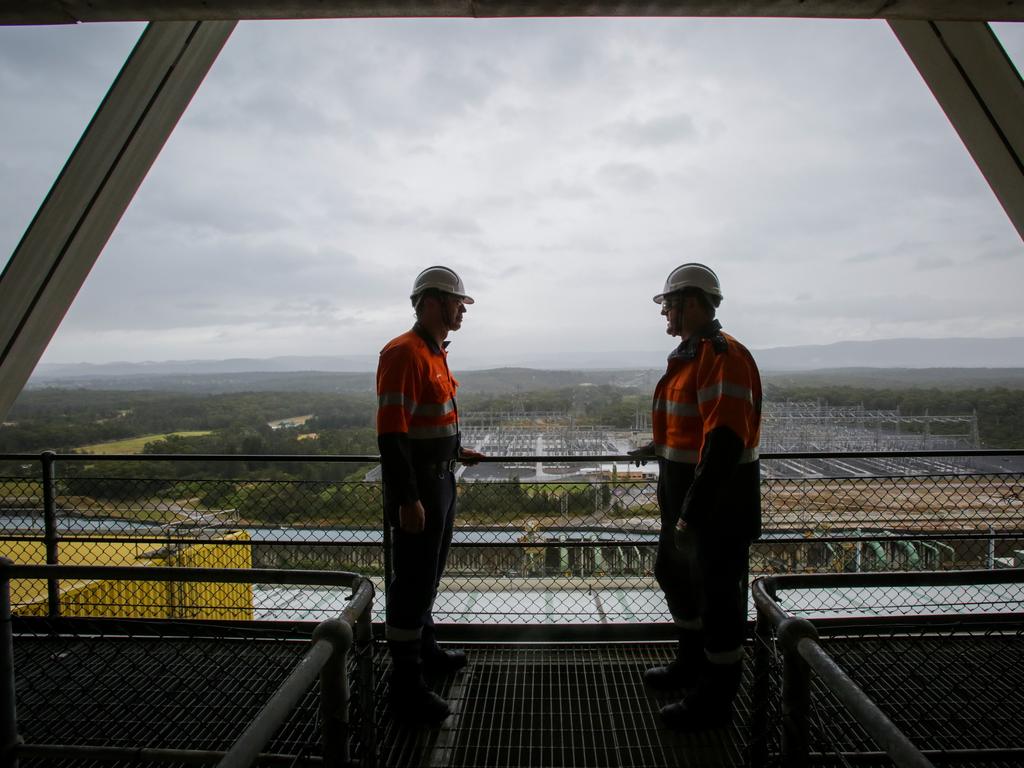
[65, 420]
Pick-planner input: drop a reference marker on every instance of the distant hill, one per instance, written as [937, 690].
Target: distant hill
[215, 383]
[896, 353]
[499, 381]
[287, 364]
[900, 378]
[494, 381]
[883, 353]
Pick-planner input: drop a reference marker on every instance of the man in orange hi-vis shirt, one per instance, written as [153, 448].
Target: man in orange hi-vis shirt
[419, 441]
[707, 425]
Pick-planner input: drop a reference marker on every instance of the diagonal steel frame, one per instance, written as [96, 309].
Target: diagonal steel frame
[95, 187]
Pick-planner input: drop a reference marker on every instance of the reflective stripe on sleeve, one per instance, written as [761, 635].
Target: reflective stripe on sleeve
[677, 454]
[689, 624]
[725, 388]
[426, 433]
[749, 455]
[676, 409]
[395, 398]
[434, 410]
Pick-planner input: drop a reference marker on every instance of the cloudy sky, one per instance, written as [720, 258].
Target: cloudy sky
[563, 167]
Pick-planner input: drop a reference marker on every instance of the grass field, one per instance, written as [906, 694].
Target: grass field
[135, 444]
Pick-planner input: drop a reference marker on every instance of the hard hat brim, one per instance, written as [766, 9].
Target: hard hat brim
[661, 296]
[465, 299]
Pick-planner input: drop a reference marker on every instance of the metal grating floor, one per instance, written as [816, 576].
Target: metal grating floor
[155, 692]
[551, 705]
[515, 705]
[948, 694]
[558, 706]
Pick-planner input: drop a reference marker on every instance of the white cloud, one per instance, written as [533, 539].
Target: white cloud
[563, 166]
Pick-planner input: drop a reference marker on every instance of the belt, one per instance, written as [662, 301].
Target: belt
[440, 467]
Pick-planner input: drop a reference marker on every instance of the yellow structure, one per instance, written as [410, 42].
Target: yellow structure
[137, 599]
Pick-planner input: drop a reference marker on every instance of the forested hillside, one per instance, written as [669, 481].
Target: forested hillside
[63, 420]
[238, 423]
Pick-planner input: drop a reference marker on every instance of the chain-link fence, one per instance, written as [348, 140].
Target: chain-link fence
[945, 687]
[99, 686]
[574, 544]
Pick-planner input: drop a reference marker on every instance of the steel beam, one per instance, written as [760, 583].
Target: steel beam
[72, 11]
[95, 187]
[981, 93]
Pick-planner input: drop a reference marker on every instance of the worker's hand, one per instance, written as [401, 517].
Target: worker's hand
[641, 455]
[412, 516]
[468, 457]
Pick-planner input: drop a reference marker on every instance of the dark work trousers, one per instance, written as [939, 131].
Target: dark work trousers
[418, 559]
[704, 579]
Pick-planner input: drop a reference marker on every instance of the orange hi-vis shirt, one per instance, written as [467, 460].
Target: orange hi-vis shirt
[416, 397]
[715, 387]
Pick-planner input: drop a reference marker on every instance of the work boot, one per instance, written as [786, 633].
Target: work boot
[441, 662]
[682, 672]
[438, 661]
[410, 699]
[710, 705]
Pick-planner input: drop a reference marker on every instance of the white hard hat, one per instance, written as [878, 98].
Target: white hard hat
[441, 279]
[692, 275]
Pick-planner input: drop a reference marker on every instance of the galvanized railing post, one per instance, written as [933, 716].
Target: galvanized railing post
[387, 548]
[364, 644]
[796, 692]
[9, 739]
[48, 459]
[760, 693]
[990, 559]
[335, 692]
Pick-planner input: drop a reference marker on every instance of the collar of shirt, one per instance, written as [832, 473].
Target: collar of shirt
[687, 349]
[431, 342]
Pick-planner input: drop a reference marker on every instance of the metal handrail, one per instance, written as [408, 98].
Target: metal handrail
[9, 571]
[51, 535]
[374, 458]
[801, 653]
[771, 585]
[327, 658]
